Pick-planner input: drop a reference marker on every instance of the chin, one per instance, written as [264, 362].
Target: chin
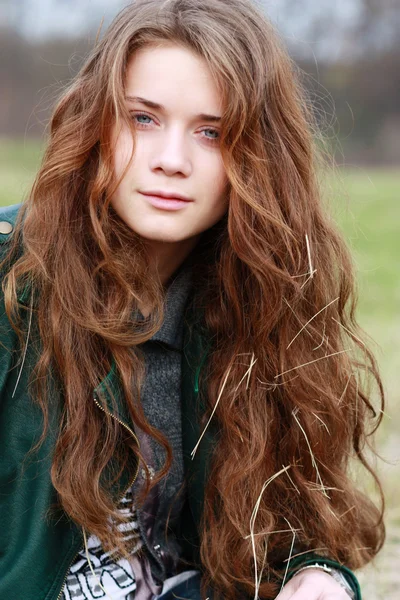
[161, 237]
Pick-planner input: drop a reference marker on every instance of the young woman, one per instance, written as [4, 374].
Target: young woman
[181, 372]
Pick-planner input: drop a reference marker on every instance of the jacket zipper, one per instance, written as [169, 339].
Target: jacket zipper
[122, 495]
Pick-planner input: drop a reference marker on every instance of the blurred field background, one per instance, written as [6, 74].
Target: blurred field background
[349, 55]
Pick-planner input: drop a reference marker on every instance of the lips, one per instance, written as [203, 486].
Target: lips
[167, 195]
[166, 204]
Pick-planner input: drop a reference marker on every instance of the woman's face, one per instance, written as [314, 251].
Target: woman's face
[177, 149]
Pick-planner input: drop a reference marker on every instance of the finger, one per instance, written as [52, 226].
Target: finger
[287, 591]
[310, 593]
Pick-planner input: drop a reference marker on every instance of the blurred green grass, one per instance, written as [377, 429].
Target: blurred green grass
[19, 160]
[365, 204]
[367, 210]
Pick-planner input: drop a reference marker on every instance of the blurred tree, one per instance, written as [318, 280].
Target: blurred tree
[343, 30]
[378, 28]
[32, 75]
[348, 51]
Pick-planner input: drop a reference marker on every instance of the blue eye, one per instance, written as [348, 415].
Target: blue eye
[137, 115]
[212, 131]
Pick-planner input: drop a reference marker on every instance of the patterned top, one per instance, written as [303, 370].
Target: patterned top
[114, 576]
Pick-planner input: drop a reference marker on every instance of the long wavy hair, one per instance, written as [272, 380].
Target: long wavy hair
[274, 281]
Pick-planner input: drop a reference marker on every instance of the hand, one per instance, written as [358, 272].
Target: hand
[312, 584]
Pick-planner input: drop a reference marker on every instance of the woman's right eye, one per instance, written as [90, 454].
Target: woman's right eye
[141, 115]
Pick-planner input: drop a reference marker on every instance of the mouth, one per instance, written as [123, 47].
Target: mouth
[166, 203]
[167, 195]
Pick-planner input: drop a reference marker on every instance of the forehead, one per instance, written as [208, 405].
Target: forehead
[173, 76]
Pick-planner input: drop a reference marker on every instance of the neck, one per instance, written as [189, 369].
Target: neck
[167, 257]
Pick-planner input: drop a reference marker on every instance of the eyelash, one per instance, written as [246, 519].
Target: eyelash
[141, 114]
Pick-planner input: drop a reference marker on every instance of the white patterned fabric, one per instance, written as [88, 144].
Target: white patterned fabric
[115, 576]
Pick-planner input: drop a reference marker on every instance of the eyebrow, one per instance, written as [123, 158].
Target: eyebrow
[156, 106]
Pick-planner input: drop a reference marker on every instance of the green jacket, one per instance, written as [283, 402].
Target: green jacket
[37, 548]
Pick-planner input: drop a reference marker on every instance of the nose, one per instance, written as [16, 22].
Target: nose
[171, 153]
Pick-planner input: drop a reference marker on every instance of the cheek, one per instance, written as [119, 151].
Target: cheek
[214, 175]
[122, 152]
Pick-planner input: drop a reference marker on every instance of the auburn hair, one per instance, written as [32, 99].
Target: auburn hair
[275, 282]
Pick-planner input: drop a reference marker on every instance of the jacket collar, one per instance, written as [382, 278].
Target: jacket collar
[195, 349]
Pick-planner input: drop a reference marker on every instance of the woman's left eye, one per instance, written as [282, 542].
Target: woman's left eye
[213, 131]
